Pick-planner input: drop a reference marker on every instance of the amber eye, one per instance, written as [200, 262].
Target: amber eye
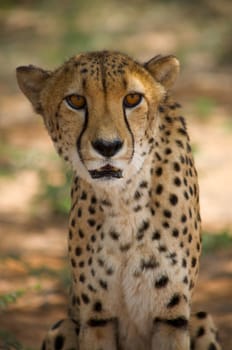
[76, 101]
[132, 100]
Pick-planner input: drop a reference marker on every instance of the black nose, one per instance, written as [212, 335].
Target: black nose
[107, 148]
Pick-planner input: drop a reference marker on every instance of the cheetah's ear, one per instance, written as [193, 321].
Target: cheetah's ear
[31, 81]
[164, 69]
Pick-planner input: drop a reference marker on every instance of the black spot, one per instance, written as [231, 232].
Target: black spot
[114, 235]
[98, 323]
[176, 166]
[103, 284]
[190, 238]
[137, 195]
[81, 233]
[84, 195]
[151, 263]
[167, 213]
[159, 171]
[194, 262]
[182, 131]
[165, 224]
[185, 231]
[125, 247]
[91, 209]
[70, 234]
[100, 262]
[168, 151]
[158, 156]
[73, 222]
[43, 347]
[97, 306]
[177, 181]
[73, 263]
[173, 199]
[175, 299]
[152, 210]
[79, 212]
[185, 280]
[91, 222]
[186, 195]
[93, 200]
[143, 227]
[180, 143]
[180, 322]
[161, 282]
[82, 278]
[81, 264]
[183, 218]
[137, 208]
[143, 184]
[84, 70]
[77, 330]
[85, 298]
[212, 346]
[93, 238]
[156, 235]
[168, 118]
[106, 203]
[162, 248]
[78, 251]
[200, 332]
[159, 189]
[59, 342]
[184, 262]
[91, 288]
[175, 232]
[57, 324]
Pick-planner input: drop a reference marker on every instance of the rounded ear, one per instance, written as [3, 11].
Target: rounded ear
[31, 81]
[164, 69]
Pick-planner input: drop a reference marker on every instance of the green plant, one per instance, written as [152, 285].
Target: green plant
[10, 298]
[211, 242]
[204, 106]
[8, 341]
[56, 196]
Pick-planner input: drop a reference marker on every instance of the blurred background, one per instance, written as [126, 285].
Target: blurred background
[34, 184]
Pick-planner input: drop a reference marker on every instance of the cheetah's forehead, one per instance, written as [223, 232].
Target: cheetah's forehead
[105, 68]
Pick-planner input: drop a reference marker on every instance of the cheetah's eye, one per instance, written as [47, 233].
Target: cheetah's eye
[132, 100]
[76, 101]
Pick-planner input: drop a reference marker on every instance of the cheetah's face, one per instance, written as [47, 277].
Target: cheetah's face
[100, 110]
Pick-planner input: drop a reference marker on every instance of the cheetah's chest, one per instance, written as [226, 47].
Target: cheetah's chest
[141, 264]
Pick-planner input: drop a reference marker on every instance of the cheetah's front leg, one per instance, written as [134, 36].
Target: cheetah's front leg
[63, 335]
[171, 334]
[99, 335]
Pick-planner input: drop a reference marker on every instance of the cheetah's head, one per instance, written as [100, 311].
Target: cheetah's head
[100, 110]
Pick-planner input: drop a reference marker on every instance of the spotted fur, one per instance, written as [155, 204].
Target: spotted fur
[134, 226]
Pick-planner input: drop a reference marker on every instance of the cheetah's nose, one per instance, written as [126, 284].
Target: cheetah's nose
[107, 148]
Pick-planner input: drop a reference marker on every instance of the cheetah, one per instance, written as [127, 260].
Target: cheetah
[134, 226]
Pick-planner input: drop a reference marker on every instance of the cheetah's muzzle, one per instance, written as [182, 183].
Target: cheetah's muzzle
[106, 172]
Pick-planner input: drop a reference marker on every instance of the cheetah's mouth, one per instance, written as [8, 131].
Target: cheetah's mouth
[106, 172]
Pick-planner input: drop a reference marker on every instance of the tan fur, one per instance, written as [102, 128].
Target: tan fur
[134, 233]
